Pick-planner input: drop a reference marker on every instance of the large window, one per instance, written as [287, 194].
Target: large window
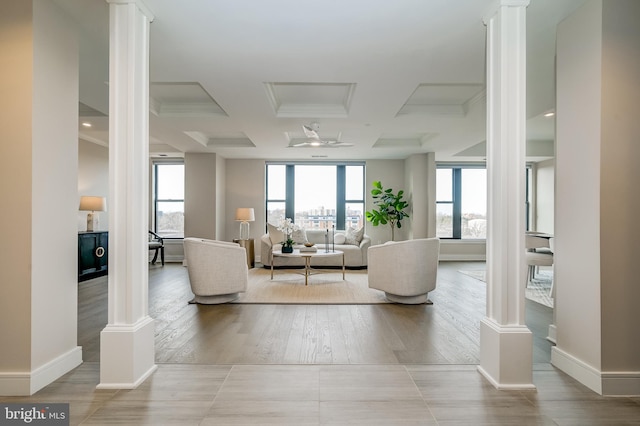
[168, 199]
[316, 195]
[461, 202]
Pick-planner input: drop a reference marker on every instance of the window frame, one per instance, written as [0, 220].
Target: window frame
[456, 197]
[341, 190]
[154, 196]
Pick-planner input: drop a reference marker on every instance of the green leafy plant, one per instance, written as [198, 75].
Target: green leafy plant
[390, 208]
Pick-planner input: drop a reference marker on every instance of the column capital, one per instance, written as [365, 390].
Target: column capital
[497, 4]
[139, 3]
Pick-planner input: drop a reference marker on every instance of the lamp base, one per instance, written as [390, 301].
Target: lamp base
[93, 222]
[244, 230]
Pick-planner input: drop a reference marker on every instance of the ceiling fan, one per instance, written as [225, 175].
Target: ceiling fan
[314, 139]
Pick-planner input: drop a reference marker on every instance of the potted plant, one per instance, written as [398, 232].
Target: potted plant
[391, 208]
[288, 227]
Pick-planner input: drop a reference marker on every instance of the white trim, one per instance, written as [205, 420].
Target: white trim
[502, 386]
[133, 385]
[463, 257]
[621, 383]
[579, 370]
[506, 353]
[552, 332]
[618, 383]
[28, 383]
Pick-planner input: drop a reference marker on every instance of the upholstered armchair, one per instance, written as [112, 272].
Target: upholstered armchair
[405, 270]
[217, 270]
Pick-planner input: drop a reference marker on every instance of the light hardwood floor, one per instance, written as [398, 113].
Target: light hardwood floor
[446, 332]
[385, 365]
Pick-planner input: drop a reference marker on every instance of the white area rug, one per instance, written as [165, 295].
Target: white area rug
[288, 287]
[537, 290]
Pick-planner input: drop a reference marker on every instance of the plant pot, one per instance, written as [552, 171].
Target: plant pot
[287, 249]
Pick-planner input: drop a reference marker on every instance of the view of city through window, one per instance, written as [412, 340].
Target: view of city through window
[169, 200]
[319, 196]
[461, 203]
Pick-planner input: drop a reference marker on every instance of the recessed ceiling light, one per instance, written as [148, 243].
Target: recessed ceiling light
[86, 124]
[549, 114]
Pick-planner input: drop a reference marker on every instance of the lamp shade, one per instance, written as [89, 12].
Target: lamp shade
[245, 214]
[92, 204]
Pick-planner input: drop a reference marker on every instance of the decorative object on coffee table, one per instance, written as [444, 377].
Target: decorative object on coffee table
[288, 228]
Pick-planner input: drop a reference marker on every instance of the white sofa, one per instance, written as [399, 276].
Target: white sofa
[355, 256]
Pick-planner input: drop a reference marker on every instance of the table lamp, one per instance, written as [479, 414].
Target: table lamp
[92, 205]
[244, 215]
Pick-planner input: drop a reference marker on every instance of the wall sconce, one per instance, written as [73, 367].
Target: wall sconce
[244, 215]
[92, 204]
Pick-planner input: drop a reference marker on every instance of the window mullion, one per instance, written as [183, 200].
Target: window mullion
[289, 209]
[457, 203]
[340, 197]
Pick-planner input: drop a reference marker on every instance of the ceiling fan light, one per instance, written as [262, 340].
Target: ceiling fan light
[315, 143]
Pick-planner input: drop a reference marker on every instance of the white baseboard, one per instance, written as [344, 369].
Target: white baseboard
[621, 383]
[463, 257]
[618, 383]
[551, 333]
[579, 370]
[28, 383]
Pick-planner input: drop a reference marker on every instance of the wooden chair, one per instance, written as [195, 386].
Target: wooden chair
[156, 242]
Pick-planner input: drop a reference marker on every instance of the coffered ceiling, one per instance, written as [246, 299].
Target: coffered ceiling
[241, 77]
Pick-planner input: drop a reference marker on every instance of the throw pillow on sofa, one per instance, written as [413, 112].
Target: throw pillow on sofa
[299, 236]
[339, 238]
[275, 235]
[354, 236]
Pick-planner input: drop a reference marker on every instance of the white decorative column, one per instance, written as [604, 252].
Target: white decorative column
[127, 342]
[506, 344]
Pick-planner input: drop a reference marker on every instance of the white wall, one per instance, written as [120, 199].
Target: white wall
[545, 195]
[420, 175]
[200, 181]
[221, 185]
[620, 195]
[39, 322]
[93, 179]
[392, 175]
[16, 48]
[245, 188]
[577, 220]
[55, 197]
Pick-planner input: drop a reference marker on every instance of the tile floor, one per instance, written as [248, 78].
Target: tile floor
[179, 394]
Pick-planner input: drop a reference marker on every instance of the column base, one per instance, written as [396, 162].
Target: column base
[127, 354]
[506, 355]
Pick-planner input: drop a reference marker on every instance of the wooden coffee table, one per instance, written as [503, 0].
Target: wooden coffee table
[308, 270]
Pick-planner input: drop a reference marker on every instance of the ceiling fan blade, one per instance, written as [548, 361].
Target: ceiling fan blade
[337, 143]
[309, 132]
